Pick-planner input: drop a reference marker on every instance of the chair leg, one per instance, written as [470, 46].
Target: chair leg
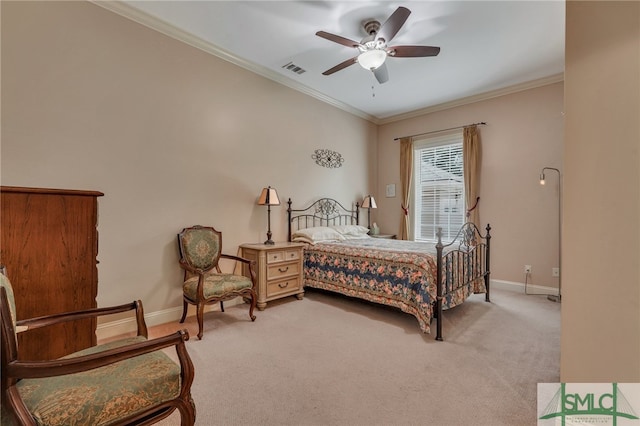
[184, 311]
[200, 316]
[187, 414]
[252, 306]
[221, 306]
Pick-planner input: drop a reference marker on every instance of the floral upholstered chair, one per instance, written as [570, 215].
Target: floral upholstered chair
[129, 381]
[204, 282]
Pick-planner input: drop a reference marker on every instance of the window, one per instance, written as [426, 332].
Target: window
[438, 187]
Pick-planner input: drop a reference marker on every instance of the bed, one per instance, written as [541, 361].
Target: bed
[341, 257]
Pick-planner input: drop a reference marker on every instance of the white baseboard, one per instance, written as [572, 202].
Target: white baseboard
[116, 328]
[519, 287]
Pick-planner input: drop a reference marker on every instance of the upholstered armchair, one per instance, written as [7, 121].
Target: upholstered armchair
[128, 381]
[204, 282]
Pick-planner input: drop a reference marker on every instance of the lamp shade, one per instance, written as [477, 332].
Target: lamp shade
[372, 59]
[269, 197]
[369, 203]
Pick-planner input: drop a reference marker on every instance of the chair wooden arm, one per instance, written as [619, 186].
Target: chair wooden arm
[38, 369]
[237, 258]
[47, 320]
[251, 263]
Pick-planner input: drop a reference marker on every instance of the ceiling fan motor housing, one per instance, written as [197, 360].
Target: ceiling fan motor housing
[371, 27]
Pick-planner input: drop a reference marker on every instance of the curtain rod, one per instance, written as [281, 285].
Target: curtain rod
[482, 123]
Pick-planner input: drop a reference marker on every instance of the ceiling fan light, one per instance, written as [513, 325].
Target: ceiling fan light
[372, 59]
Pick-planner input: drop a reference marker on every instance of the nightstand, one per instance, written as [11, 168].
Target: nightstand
[278, 270]
[387, 236]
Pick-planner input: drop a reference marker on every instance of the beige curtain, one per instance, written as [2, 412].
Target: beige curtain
[406, 170]
[471, 158]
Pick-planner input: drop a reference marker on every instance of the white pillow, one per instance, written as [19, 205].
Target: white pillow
[356, 230]
[356, 237]
[301, 239]
[316, 235]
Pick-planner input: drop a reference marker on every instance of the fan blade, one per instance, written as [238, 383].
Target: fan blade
[381, 73]
[341, 65]
[337, 39]
[390, 28]
[413, 51]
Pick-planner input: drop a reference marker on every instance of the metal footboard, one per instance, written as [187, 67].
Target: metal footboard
[460, 264]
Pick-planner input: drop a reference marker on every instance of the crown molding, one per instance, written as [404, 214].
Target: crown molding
[475, 98]
[143, 18]
[174, 32]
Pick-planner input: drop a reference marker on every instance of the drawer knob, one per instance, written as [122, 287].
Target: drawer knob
[284, 285]
[283, 270]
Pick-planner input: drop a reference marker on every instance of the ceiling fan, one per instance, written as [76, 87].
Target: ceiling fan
[374, 48]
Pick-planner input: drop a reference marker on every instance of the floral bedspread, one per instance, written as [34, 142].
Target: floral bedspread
[390, 272]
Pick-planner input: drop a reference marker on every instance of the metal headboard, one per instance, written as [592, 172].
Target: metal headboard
[323, 212]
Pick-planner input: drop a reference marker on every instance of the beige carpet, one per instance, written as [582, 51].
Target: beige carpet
[330, 360]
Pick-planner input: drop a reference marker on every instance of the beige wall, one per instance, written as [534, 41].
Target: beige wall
[524, 133]
[172, 135]
[601, 285]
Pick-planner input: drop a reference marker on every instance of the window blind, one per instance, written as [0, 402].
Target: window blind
[438, 187]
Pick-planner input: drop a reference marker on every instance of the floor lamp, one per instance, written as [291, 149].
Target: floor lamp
[558, 297]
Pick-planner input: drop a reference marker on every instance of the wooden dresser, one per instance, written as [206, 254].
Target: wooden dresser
[49, 244]
[278, 270]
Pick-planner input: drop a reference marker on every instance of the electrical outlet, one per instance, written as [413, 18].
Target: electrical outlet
[527, 269]
[555, 272]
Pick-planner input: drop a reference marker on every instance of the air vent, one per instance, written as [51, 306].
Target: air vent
[294, 68]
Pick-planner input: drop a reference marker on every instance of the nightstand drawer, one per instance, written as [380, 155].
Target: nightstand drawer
[292, 254]
[291, 284]
[282, 270]
[276, 256]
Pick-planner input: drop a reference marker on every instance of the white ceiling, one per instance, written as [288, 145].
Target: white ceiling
[486, 46]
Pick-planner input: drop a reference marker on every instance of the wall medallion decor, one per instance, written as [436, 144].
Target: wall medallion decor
[328, 158]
